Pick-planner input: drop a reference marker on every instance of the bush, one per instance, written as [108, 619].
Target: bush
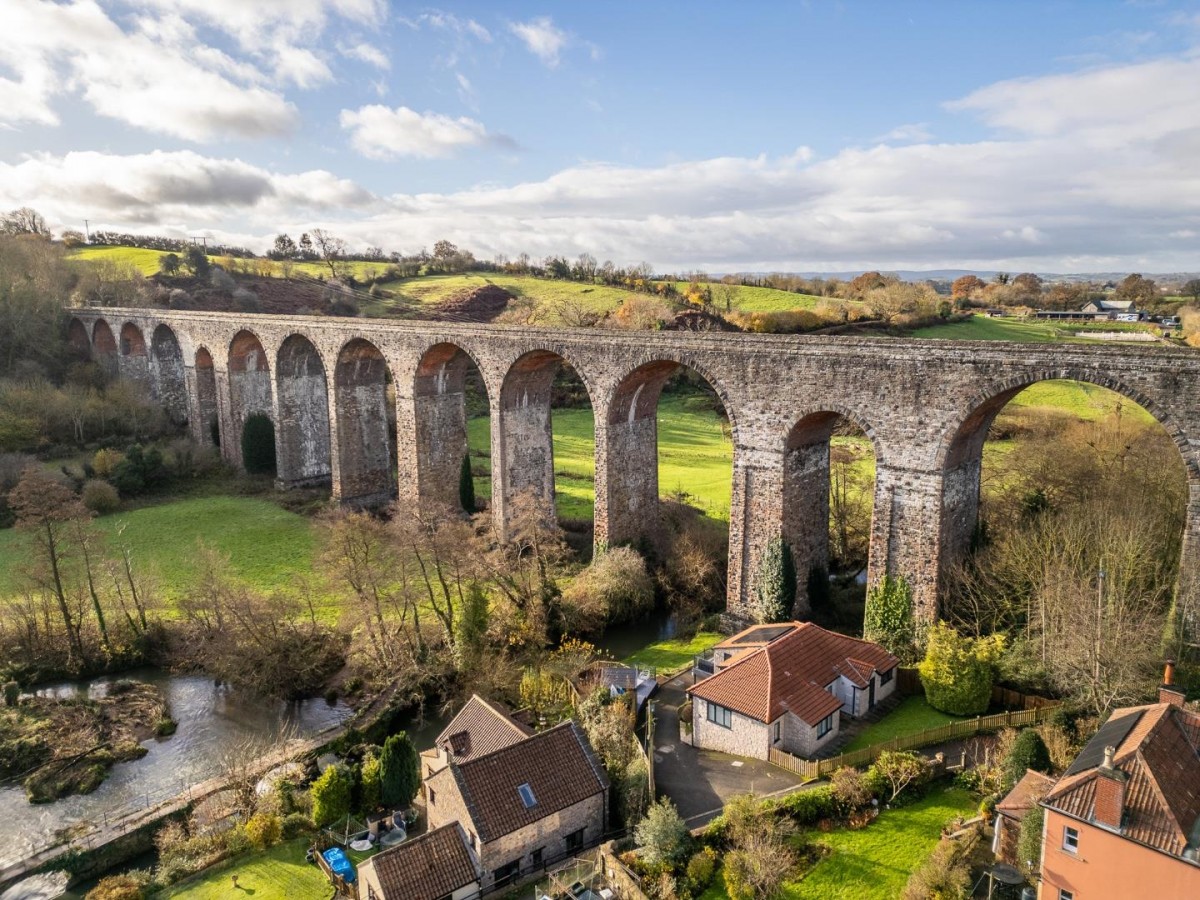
[663, 835]
[12, 693]
[888, 617]
[900, 770]
[141, 471]
[807, 807]
[701, 868]
[263, 830]
[105, 461]
[101, 497]
[117, 887]
[1029, 841]
[258, 444]
[615, 588]
[295, 825]
[946, 875]
[957, 671]
[850, 789]
[775, 591]
[370, 781]
[1028, 752]
[331, 796]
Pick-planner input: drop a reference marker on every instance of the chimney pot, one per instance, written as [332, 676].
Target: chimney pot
[1169, 673]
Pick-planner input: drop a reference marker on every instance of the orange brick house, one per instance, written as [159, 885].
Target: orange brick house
[1124, 819]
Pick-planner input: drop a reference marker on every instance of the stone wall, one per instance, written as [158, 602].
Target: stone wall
[925, 405]
[745, 737]
[800, 738]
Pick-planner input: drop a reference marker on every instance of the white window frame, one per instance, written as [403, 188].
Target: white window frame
[825, 726]
[1064, 894]
[1070, 839]
[719, 715]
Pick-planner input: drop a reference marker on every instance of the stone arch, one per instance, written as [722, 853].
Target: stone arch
[133, 360]
[78, 339]
[365, 466]
[960, 453]
[207, 428]
[104, 347]
[522, 431]
[167, 375]
[303, 391]
[250, 389]
[630, 454]
[806, 489]
[440, 422]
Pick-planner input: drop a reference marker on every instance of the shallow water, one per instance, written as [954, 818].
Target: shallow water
[211, 719]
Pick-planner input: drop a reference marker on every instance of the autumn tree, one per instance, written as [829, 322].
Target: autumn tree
[1028, 287]
[1137, 289]
[966, 287]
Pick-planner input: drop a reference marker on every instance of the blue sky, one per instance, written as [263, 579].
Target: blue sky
[1057, 136]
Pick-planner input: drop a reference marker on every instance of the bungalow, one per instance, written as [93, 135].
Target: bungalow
[785, 687]
[524, 805]
[1108, 309]
[435, 866]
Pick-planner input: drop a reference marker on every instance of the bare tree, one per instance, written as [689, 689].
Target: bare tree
[332, 249]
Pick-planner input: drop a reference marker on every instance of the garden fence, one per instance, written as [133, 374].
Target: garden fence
[812, 769]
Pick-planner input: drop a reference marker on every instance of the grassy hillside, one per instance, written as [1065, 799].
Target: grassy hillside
[1030, 331]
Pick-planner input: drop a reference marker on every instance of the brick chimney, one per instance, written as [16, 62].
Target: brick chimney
[1110, 793]
[1167, 691]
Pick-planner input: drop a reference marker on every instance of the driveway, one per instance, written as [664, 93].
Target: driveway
[700, 781]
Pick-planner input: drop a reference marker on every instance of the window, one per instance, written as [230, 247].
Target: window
[825, 726]
[719, 715]
[1064, 894]
[778, 730]
[885, 677]
[527, 797]
[573, 841]
[1070, 839]
[507, 873]
[536, 857]
[432, 797]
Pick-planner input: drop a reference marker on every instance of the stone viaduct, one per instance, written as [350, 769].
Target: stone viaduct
[925, 405]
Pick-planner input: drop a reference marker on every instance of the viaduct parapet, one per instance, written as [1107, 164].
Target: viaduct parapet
[926, 406]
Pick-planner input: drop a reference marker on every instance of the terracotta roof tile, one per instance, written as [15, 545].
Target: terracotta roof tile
[558, 766]
[1026, 794]
[791, 674]
[481, 727]
[429, 867]
[1160, 757]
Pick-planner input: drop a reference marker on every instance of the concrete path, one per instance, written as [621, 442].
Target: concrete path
[700, 781]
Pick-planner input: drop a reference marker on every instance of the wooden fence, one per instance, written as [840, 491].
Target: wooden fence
[811, 769]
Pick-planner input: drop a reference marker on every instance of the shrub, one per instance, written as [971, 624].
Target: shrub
[957, 671]
[140, 471]
[1028, 752]
[370, 781]
[117, 887]
[701, 868]
[946, 875]
[850, 789]
[399, 772]
[775, 591]
[295, 825]
[331, 796]
[808, 807]
[888, 617]
[12, 693]
[1029, 841]
[263, 830]
[615, 588]
[258, 444]
[663, 835]
[900, 770]
[105, 461]
[101, 497]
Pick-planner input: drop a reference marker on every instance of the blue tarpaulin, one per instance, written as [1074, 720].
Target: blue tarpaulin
[340, 864]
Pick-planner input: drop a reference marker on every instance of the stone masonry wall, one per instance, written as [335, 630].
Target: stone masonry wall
[925, 405]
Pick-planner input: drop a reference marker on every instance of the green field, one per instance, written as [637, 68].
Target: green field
[671, 654]
[1029, 331]
[280, 873]
[874, 863]
[268, 547]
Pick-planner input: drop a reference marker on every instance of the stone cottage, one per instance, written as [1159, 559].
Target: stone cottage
[785, 687]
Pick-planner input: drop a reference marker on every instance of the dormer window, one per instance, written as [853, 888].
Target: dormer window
[527, 797]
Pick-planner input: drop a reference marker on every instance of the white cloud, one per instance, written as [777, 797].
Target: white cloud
[445, 21]
[542, 38]
[914, 133]
[381, 132]
[367, 53]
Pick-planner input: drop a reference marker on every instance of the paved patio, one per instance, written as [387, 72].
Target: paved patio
[700, 781]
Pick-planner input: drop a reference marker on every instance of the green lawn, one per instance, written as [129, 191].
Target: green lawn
[278, 874]
[913, 714]
[874, 863]
[1085, 401]
[673, 653]
[267, 546]
[1037, 331]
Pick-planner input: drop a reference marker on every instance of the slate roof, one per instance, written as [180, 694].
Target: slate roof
[557, 764]
[791, 674]
[429, 867]
[481, 727]
[1159, 752]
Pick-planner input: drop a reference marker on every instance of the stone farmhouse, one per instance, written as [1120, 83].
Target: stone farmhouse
[785, 687]
[1124, 819]
[521, 800]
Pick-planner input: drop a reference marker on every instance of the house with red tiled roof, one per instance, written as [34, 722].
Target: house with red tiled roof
[481, 726]
[1124, 819]
[1011, 812]
[523, 805]
[435, 866]
[786, 687]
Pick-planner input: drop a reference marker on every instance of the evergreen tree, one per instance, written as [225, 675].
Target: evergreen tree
[775, 592]
[400, 772]
[331, 796]
[466, 485]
